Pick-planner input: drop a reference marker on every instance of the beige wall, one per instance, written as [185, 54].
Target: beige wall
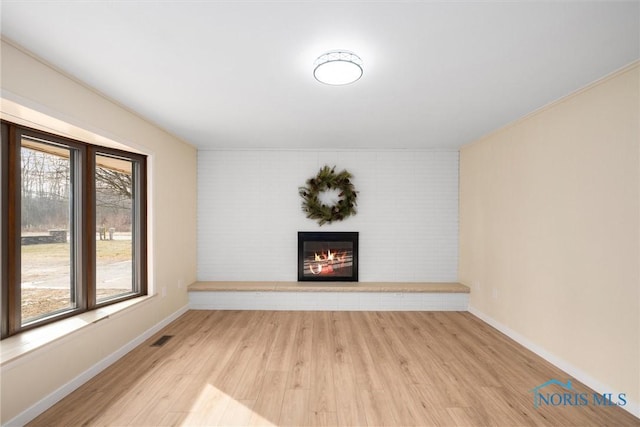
[69, 108]
[550, 227]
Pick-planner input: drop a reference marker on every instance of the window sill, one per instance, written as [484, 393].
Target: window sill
[20, 345]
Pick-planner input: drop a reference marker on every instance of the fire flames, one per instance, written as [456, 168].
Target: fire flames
[324, 262]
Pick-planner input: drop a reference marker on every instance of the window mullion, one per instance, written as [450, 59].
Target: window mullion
[141, 227]
[4, 205]
[89, 231]
[4, 249]
[13, 289]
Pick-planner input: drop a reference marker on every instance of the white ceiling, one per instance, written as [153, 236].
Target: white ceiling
[239, 74]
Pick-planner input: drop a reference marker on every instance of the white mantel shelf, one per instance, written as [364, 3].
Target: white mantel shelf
[344, 296]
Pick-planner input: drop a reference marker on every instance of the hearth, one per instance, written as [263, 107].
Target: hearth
[327, 256]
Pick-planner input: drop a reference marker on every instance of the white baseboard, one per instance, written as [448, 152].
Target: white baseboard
[33, 411]
[328, 301]
[583, 377]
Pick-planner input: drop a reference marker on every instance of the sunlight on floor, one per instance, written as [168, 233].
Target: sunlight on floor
[214, 407]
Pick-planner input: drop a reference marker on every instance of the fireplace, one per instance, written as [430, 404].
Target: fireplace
[327, 256]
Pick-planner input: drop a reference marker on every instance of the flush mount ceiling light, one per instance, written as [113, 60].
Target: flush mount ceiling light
[337, 67]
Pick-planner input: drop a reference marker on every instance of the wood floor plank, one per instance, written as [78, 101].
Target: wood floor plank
[365, 368]
[185, 401]
[349, 407]
[300, 371]
[184, 360]
[268, 407]
[377, 406]
[322, 398]
[295, 408]
[168, 388]
[172, 419]
[208, 408]
[238, 413]
[326, 368]
[396, 363]
[323, 419]
[226, 376]
[465, 416]
[283, 352]
[250, 383]
[404, 354]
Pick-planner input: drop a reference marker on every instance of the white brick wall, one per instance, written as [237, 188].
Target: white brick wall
[249, 213]
[329, 301]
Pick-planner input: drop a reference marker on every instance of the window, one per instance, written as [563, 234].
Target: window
[73, 227]
[47, 238]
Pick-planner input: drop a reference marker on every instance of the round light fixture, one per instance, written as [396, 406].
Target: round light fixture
[337, 67]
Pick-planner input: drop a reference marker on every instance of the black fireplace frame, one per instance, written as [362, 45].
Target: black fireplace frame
[328, 236]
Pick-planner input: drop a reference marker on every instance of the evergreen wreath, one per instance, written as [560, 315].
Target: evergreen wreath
[328, 179]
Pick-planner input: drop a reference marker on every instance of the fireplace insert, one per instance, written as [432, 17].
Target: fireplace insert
[327, 256]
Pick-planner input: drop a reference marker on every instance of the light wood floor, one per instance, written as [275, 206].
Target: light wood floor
[326, 368]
